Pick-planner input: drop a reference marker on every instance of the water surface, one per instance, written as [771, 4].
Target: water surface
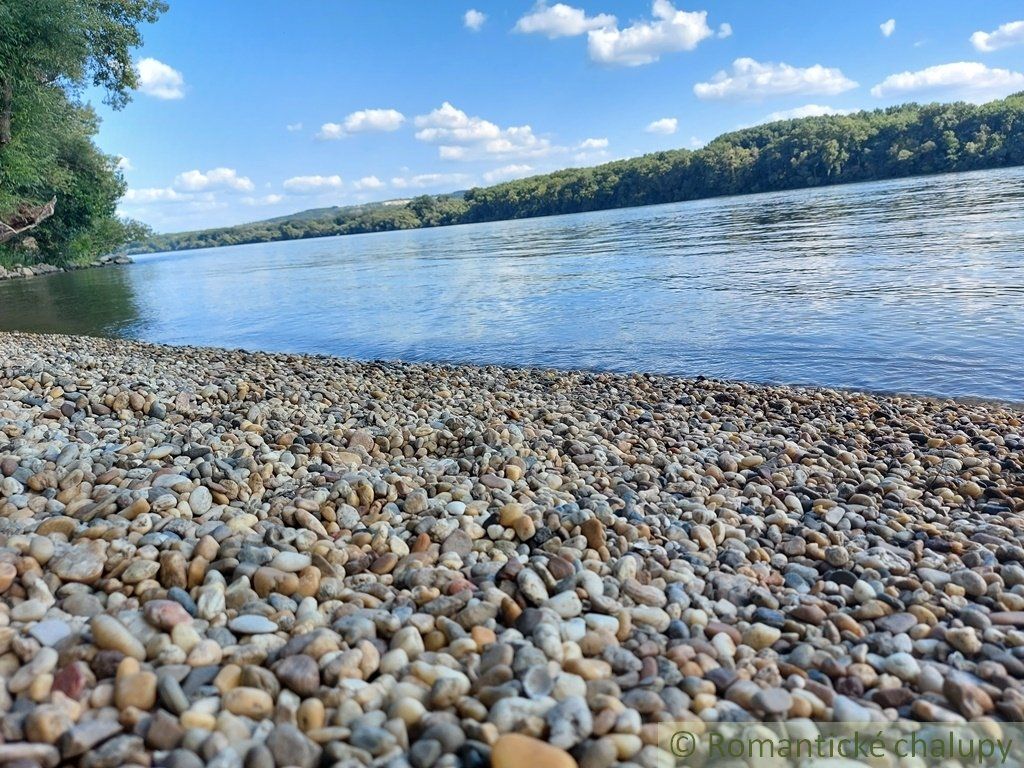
[914, 285]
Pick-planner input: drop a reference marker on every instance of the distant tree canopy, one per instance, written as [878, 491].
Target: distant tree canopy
[908, 140]
[50, 51]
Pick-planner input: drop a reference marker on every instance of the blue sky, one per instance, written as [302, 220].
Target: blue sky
[256, 109]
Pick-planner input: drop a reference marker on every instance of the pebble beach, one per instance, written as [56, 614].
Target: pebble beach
[236, 559]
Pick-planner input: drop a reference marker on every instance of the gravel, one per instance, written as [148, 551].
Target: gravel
[213, 557]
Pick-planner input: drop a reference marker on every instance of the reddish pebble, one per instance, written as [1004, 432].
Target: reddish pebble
[165, 614]
[460, 585]
[71, 680]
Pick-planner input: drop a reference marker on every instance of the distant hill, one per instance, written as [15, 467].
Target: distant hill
[908, 140]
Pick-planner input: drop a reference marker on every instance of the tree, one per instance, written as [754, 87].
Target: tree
[50, 51]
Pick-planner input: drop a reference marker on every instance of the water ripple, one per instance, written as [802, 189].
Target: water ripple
[914, 285]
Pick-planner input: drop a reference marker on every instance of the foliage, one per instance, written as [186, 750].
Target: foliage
[888, 143]
[50, 51]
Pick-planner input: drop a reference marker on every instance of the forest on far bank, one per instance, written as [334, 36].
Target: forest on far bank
[901, 141]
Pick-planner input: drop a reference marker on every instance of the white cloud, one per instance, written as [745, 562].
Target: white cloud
[423, 180]
[513, 171]
[331, 131]
[561, 20]
[153, 195]
[969, 80]
[750, 79]
[474, 19]
[665, 126]
[369, 182]
[124, 164]
[159, 80]
[807, 110]
[363, 121]
[1011, 33]
[591, 150]
[645, 41]
[696, 142]
[270, 199]
[462, 137]
[217, 178]
[888, 27]
[293, 127]
[724, 30]
[312, 183]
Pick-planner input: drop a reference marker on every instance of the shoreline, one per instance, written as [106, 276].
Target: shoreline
[303, 559]
[533, 369]
[19, 272]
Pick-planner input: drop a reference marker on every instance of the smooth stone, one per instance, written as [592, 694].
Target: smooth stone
[761, 636]
[514, 750]
[81, 563]
[51, 631]
[110, 634]
[291, 562]
[773, 701]
[251, 624]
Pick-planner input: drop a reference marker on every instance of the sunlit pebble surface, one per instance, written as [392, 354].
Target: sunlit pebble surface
[231, 558]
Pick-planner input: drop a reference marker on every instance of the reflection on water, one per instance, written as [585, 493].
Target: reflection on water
[94, 302]
[913, 285]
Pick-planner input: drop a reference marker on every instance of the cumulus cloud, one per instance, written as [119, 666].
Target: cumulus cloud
[591, 150]
[474, 19]
[369, 182]
[159, 80]
[645, 42]
[888, 27]
[1011, 33]
[153, 195]
[423, 180]
[331, 131]
[312, 183]
[506, 172]
[665, 126]
[750, 79]
[459, 136]
[270, 199]
[724, 30]
[293, 127]
[363, 121]
[561, 20]
[217, 178]
[969, 80]
[124, 164]
[807, 110]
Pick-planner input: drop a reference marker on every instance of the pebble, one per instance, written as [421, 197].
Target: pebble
[110, 634]
[51, 631]
[299, 673]
[80, 563]
[248, 702]
[514, 750]
[773, 701]
[245, 560]
[252, 625]
[761, 636]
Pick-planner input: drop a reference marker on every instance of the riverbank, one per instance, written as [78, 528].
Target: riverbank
[211, 555]
[17, 272]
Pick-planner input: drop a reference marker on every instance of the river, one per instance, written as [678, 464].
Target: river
[915, 285]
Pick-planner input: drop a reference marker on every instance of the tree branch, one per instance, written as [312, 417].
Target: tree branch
[28, 217]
